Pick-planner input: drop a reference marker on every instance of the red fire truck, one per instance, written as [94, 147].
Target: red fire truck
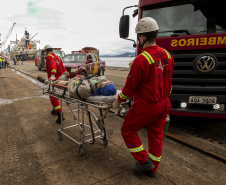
[194, 32]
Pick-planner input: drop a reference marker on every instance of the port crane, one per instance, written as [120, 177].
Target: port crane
[7, 36]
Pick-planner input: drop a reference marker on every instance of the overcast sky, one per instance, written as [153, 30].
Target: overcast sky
[69, 24]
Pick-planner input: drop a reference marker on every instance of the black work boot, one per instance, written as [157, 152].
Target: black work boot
[147, 166]
[59, 118]
[53, 112]
[150, 174]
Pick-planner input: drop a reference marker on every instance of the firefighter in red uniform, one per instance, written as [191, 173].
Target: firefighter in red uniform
[55, 69]
[150, 80]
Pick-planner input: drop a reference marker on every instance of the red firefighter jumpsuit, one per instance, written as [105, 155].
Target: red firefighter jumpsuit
[55, 66]
[150, 79]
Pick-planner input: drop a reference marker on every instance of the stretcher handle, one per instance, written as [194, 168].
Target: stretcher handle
[64, 87]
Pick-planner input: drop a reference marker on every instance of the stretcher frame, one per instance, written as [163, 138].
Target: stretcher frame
[96, 125]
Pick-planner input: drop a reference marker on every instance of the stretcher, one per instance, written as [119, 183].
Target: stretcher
[87, 116]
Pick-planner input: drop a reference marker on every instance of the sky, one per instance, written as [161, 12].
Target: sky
[69, 24]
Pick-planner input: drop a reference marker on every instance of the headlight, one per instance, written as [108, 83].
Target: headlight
[74, 69]
[183, 105]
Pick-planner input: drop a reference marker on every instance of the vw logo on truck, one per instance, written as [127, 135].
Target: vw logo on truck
[205, 63]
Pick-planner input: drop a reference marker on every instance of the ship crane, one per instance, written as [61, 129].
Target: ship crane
[7, 36]
[33, 36]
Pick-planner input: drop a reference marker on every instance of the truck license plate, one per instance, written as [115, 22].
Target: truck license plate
[202, 99]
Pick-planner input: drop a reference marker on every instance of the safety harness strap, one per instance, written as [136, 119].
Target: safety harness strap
[80, 82]
[91, 86]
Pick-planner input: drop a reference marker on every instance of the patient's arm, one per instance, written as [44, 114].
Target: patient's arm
[61, 82]
[77, 76]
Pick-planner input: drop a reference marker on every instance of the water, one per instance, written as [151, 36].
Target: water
[117, 61]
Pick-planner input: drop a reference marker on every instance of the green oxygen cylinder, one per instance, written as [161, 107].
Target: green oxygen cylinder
[166, 127]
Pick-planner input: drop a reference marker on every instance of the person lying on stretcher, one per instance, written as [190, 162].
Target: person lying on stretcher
[81, 88]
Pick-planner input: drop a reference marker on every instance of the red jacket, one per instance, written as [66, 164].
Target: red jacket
[150, 77]
[54, 66]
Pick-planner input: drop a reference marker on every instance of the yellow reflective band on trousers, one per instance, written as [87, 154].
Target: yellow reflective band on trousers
[154, 158]
[56, 108]
[53, 71]
[138, 149]
[123, 96]
[148, 57]
[168, 54]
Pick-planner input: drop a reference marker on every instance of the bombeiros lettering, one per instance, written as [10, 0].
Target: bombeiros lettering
[202, 41]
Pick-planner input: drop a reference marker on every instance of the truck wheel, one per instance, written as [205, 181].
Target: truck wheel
[83, 73]
[101, 72]
[40, 68]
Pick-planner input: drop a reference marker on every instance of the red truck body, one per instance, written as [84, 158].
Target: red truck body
[194, 32]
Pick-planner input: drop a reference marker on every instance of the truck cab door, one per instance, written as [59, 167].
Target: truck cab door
[89, 65]
[37, 57]
[43, 59]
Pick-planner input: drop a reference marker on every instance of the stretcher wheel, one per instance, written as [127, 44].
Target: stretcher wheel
[59, 136]
[105, 142]
[81, 151]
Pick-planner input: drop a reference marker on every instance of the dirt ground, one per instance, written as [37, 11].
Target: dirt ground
[30, 152]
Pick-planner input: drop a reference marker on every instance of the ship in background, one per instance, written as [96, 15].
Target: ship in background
[24, 48]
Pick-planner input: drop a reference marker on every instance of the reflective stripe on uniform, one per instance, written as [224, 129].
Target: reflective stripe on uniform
[50, 55]
[148, 57]
[56, 108]
[168, 54]
[123, 96]
[76, 83]
[154, 158]
[138, 149]
[53, 71]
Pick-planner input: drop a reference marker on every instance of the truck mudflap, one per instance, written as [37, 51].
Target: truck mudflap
[197, 113]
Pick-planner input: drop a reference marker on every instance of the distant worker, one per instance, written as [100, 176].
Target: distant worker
[14, 60]
[149, 79]
[3, 62]
[17, 59]
[0, 62]
[6, 62]
[55, 69]
[21, 58]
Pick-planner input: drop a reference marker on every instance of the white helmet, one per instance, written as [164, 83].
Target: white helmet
[146, 24]
[47, 47]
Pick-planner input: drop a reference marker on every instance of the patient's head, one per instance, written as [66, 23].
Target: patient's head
[104, 83]
[109, 90]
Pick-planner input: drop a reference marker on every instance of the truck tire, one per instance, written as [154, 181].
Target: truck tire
[83, 73]
[101, 72]
[40, 68]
